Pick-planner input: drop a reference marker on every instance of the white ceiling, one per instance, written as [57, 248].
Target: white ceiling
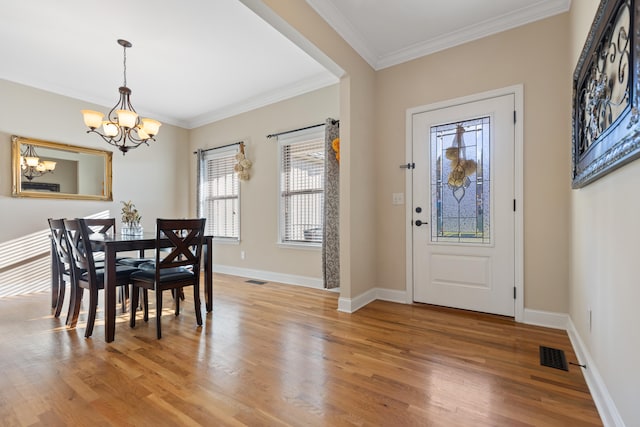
[192, 61]
[389, 32]
[197, 61]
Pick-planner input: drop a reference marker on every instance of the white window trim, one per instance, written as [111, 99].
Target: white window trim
[216, 153]
[292, 138]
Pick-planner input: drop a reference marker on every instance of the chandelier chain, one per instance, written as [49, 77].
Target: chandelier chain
[124, 65]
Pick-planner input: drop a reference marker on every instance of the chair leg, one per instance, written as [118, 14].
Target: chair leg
[91, 317]
[55, 277]
[145, 299]
[124, 296]
[55, 292]
[134, 305]
[62, 286]
[74, 306]
[196, 300]
[177, 300]
[158, 312]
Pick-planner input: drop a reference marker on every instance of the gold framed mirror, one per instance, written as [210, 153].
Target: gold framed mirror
[52, 170]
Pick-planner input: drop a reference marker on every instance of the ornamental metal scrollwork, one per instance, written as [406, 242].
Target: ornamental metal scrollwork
[605, 90]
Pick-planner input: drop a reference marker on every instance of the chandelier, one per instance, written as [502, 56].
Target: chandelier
[31, 165]
[123, 128]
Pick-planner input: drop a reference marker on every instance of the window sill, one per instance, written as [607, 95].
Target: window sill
[302, 246]
[225, 241]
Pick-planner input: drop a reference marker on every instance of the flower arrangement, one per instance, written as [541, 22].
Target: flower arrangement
[130, 215]
[335, 144]
[243, 165]
[461, 168]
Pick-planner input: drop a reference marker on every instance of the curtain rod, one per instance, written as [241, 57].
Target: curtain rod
[222, 146]
[333, 122]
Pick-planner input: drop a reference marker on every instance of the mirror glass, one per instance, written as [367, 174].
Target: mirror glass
[52, 170]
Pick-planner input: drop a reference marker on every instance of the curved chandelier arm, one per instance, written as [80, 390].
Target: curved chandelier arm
[123, 136]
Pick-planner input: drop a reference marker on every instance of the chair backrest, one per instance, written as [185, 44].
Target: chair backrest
[77, 233]
[185, 249]
[60, 244]
[101, 225]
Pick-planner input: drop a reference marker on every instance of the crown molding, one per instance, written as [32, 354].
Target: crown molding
[345, 28]
[280, 94]
[483, 29]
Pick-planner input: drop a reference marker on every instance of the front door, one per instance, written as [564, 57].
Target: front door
[463, 206]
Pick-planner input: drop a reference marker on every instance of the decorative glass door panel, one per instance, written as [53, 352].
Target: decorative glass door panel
[461, 182]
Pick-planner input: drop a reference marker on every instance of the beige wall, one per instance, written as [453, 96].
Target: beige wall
[604, 273]
[150, 176]
[259, 195]
[533, 55]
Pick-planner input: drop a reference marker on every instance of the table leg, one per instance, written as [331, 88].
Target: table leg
[208, 273]
[109, 294]
[55, 277]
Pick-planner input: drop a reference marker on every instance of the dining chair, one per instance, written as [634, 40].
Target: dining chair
[108, 226]
[178, 253]
[86, 275]
[61, 262]
[62, 259]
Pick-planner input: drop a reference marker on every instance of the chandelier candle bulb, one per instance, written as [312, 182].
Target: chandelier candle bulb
[49, 165]
[142, 134]
[110, 129]
[127, 119]
[93, 119]
[150, 126]
[32, 161]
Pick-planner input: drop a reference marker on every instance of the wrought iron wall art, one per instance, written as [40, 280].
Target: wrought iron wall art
[606, 125]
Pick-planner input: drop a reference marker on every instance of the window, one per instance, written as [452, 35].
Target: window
[461, 184]
[302, 186]
[220, 193]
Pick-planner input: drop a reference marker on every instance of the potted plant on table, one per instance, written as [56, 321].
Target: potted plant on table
[130, 219]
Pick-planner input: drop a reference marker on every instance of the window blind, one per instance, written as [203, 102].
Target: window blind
[221, 193]
[302, 188]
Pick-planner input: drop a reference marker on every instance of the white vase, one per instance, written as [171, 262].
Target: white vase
[131, 229]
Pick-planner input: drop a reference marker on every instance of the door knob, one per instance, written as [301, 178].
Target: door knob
[419, 223]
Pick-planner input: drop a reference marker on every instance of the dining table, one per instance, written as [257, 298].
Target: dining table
[112, 244]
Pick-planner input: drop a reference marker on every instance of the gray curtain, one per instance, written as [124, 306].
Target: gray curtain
[331, 238]
[200, 165]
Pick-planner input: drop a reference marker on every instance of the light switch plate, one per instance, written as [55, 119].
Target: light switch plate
[397, 199]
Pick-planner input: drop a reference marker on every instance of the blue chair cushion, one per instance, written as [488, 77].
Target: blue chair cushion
[166, 275]
[122, 272]
[134, 262]
[151, 265]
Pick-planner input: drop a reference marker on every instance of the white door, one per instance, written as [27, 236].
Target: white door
[463, 206]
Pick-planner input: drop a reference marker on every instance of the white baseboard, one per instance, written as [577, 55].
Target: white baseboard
[599, 392]
[351, 305]
[391, 295]
[547, 319]
[270, 276]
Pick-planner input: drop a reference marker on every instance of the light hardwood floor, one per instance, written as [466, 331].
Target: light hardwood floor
[278, 355]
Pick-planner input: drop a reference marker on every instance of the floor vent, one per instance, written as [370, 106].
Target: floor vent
[256, 282]
[553, 358]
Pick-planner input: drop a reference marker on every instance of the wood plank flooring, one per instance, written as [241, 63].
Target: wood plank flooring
[278, 355]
